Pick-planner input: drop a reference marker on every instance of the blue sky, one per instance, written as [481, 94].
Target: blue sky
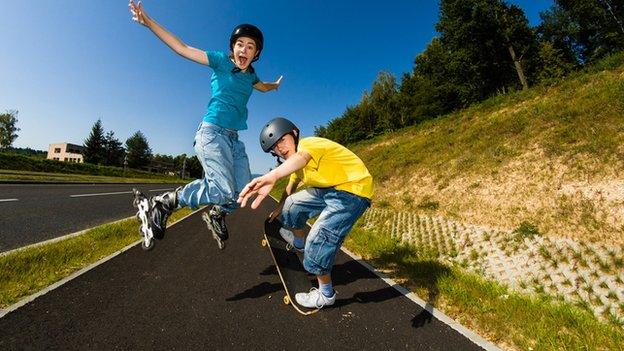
[67, 63]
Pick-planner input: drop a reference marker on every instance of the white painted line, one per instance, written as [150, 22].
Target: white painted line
[8, 200]
[24, 301]
[472, 336]
[101, 194]
[439, 315]
[60, 238]
[115, 193]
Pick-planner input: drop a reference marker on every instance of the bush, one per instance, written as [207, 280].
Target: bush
[17, 162]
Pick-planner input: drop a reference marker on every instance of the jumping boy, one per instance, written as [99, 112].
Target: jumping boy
[339, 190]
[220, 152]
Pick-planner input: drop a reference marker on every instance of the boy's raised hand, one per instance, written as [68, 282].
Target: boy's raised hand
[278, 81]
[138, 15]
[259, 187]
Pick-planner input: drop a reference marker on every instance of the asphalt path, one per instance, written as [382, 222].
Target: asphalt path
[186, 294]
[31, 213]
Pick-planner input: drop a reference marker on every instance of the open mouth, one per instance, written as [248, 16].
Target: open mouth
[242, 60]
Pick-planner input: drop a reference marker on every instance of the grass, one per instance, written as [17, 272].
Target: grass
[27, 271]
[502, 316]
[43, 177]
[513, 148]
[525, 230]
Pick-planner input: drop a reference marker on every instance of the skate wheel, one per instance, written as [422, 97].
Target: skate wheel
[286, 300]
[147, 247]
[263, 242]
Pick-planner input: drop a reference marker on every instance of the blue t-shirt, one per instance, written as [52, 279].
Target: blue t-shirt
[227, 107]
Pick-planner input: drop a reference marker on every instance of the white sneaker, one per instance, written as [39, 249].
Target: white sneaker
[289, 237]
[315, 299]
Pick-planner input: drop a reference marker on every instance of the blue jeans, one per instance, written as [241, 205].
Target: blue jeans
[337, 210]
[226, 169]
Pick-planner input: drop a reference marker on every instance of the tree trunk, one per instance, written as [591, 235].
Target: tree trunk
[516, 62]
[617, 20]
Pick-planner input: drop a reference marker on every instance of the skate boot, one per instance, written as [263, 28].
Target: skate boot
[162, 206]
[153, 214]
[142, 203]
[215, 220]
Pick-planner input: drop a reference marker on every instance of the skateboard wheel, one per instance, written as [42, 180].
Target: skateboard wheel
[263, 242]
[286, 300]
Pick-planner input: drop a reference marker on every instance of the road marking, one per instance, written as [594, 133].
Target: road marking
[115, 193]
[8, 200]
[102, 194]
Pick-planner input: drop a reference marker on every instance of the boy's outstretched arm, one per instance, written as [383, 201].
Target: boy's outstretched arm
[139, 15]
[268, 86]
[261, 186]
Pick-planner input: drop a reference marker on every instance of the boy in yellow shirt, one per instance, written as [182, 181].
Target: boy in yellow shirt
[339, 190]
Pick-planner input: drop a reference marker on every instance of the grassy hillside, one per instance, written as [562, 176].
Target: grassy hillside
[552, 157]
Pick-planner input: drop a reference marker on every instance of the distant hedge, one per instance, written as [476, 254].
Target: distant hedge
[17, 162]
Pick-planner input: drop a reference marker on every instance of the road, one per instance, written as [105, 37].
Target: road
[186, 294]
[31, 213]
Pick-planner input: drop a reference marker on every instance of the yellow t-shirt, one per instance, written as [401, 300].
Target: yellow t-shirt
[333, 165]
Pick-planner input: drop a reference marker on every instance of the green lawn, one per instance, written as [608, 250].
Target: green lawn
[43, 177]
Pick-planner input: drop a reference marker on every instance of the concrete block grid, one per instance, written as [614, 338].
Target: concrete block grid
[582, 273]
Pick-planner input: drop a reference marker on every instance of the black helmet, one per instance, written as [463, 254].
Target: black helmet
[250, 31]
[274, 130]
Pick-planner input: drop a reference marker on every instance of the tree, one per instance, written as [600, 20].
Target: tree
[436, 80]
[94, 145]
[558, 30]
[8, 130]
[485, 41]
[553, 63]
[138, 151]
[113, 150]
[591, 29]
[383, 100]
[516, 35]
[420, 99]
[194, 168]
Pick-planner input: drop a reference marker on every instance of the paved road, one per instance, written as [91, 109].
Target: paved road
[186, 294]
[31, 213]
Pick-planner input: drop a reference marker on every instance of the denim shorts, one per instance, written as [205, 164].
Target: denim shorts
[337, 210]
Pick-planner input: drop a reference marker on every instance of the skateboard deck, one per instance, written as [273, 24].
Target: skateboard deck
[289, 267]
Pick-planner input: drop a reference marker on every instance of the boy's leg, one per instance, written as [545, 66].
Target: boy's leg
[238, 162]
[241, 176]
[215, 156]
[295, 238]
[297, 209]
[212, 145]
[324, 240]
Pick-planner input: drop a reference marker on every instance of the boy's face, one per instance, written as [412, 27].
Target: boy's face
[244, 51]
[285, 146]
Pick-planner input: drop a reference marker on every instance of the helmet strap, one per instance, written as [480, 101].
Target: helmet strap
[279, 159]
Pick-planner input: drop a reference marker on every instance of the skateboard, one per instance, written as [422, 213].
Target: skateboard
[142, 203]
[289, 267]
